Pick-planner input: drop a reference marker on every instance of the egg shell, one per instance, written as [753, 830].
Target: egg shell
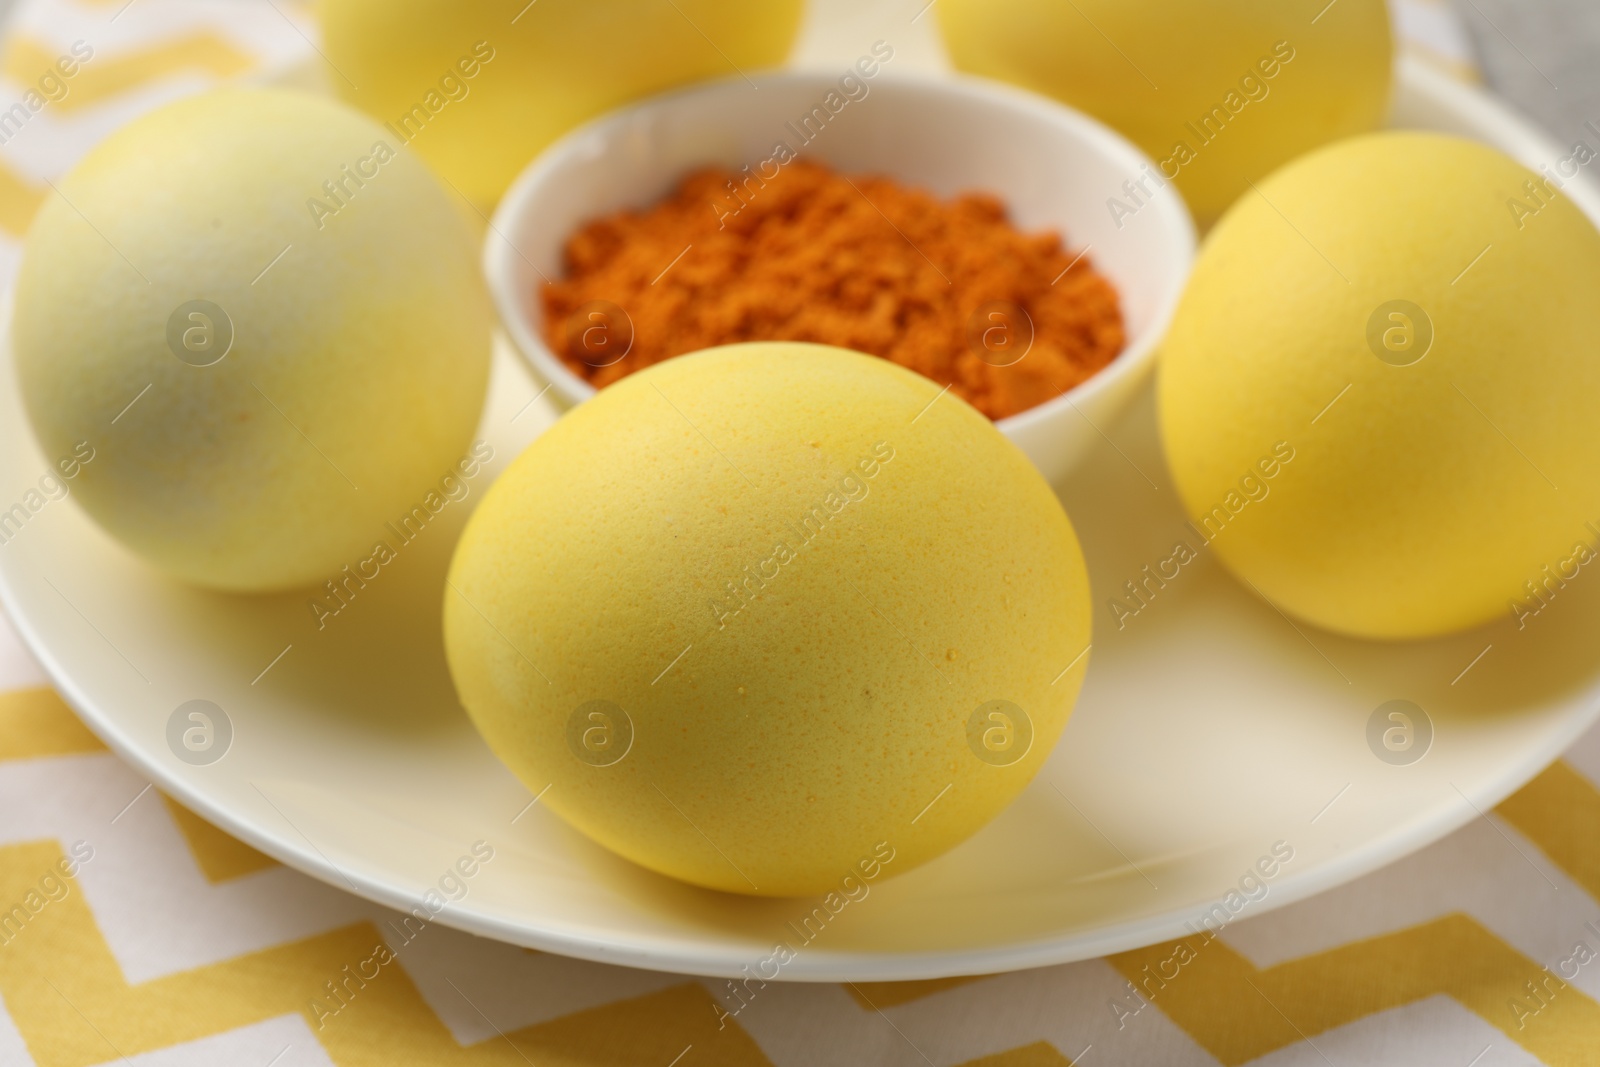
[335, 371]
[1427, 467]
[1217, 94]
[480, 87]
[791, 580]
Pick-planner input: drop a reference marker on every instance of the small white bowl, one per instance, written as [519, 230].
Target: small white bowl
[1055, 168]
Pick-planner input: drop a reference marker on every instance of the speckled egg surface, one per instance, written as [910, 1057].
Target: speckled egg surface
[264, 329]
[1381, 415]
[772, 618]
[1217, 94]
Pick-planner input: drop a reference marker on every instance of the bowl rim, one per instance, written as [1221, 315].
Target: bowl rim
[500, 250]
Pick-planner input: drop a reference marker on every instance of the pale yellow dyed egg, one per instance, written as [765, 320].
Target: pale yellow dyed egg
[772, 618]
[268, 330]
[480, 87]
[1217, 94]
[1378, 395]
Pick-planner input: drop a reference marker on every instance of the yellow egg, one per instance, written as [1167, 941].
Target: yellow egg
[269, 332]
[1378, 395]
[480, 87]
[773, 618]
[1217, 94]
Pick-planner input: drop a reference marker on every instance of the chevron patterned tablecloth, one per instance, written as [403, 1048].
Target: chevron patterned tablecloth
[132, 931]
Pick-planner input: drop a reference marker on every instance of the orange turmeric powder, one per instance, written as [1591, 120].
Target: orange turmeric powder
[950, 289]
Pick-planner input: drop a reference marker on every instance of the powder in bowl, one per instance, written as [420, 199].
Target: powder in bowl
[950, 289]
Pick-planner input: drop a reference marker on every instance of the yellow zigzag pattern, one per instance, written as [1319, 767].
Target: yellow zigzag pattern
[1237, 1012]
[26, 60]
[220, 856]
[873, 995]
[1038, 1054]
[1560, 812]
[73, 1007]
[35, 722]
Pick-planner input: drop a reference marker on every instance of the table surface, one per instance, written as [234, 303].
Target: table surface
[1542, 56]
[173, 944]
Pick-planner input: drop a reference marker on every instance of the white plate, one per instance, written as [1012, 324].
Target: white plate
[1209, 730]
